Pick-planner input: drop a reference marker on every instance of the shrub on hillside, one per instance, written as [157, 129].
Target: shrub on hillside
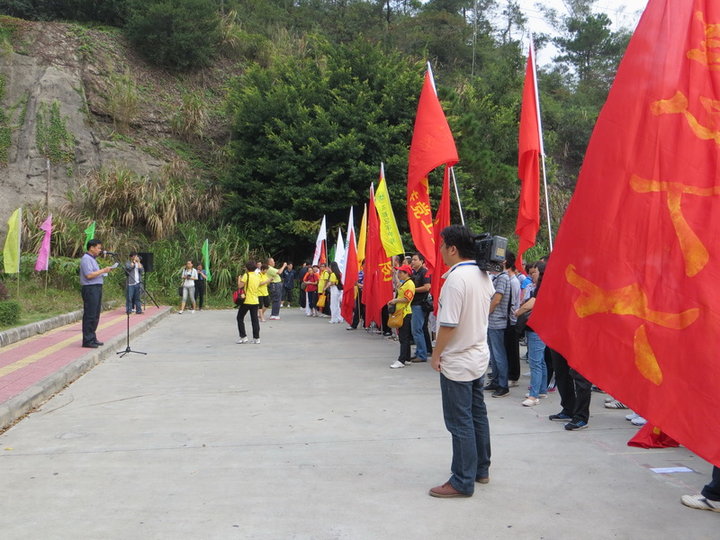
[4, 294]
[9, 313]
[178, 34]
[110, 12]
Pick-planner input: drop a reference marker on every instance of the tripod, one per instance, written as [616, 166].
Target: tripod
[128, 350]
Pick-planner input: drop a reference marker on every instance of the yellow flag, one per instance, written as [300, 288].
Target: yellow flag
[362, 239]
[389, 233]
[11, 251]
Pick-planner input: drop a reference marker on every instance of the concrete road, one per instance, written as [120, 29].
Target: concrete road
[310, 435]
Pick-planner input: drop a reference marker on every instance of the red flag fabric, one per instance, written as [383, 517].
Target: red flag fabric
[528, 219]
[630, 294]
[350, 279]
[652, 437]
[432, 145]
[377, 284]
[442, 220]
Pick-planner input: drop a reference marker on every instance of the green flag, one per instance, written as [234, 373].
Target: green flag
[206, 258]
[89, 233]
[11, 251]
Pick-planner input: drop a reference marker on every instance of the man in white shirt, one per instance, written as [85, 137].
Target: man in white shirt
[461, 355]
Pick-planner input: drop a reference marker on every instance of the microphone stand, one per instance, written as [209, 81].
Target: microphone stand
[128, 350]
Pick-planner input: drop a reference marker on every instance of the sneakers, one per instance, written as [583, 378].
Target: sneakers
[491, 386]
[180, 312]
[512, 384]
[576, 425]
[446, 491]
[274, 317]
[483, 480]
[698, 502]
[350, 328]
[615, 404]
[560, 417]
[529, 402]
[242, 340]
[397, 364]
[542, 396]
[501, 392]
[255, 341]
[416, 360]
[639, 421]
[631, 416]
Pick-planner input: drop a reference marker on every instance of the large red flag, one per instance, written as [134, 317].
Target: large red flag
[630, 295]
[442, 220]
[432, 145]
[377, 284]
[350, 278]
[528, 219]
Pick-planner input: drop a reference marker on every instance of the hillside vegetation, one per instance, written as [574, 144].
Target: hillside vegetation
[170, 120]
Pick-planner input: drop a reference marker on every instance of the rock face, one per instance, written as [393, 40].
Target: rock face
[51, 70]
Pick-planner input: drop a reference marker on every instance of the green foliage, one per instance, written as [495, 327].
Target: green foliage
[178, 34]
[123, 100]
[5, 130]
[190, 119]
[9, 312]
[309, 134]
[54, 140]
[111, 12]
[4, 294]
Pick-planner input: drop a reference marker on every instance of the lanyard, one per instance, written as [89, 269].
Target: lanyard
[462, 264]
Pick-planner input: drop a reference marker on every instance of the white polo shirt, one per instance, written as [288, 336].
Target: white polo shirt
[465, 306]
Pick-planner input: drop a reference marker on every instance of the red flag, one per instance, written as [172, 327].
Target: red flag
[528, 219]
[432, 145]
[442, 220]
[350, 278]
[377, 285]
[652, 437]
[630, 295]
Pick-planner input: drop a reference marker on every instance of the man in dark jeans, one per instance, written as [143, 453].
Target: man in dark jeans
[709, 498]
[91, 280]
[288, 282]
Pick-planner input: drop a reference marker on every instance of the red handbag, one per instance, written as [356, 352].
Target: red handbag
[238, 296]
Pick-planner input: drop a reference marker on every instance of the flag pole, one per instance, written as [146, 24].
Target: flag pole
[542, 144]
[19, 251]
[452, 169]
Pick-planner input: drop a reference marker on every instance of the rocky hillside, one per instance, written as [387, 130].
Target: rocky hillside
[76, 100]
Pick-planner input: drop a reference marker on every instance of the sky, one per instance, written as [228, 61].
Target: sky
[622, 12]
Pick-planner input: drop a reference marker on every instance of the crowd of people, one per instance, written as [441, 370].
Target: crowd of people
[479, 324]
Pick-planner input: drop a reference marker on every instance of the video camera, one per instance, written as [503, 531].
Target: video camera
[490, 252]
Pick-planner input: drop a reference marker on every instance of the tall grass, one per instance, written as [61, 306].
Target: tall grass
[123, 100]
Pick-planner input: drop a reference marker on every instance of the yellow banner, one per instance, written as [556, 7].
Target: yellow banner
[389, 233]
[11, 251]
[362, 239]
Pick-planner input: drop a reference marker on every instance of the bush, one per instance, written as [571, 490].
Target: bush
[9, 313]
[108, 11]
[4, 294]
[178, 34]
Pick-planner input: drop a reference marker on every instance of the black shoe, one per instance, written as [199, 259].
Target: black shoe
[575, 425]
[492, 386]
[560, 417]
[387, 334]
[90, 345]
[98, 343]
[351, 328]
[501, 392]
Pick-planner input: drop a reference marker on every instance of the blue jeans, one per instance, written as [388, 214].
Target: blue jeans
[498, 357]
[466, 420]
[132, 299]
[538, 367]
[418, 322]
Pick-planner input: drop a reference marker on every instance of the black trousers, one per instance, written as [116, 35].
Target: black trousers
[575, 390]
[385, 315]
[92, 305]
[200, 293]
[404, 334]
[512, 350]
[288, 295]
[426, 334]
[583, 394]
[359, 311]
[244, 309]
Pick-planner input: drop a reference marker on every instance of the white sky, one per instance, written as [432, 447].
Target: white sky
[622, 12]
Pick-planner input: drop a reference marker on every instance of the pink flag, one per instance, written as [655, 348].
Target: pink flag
[43, 257]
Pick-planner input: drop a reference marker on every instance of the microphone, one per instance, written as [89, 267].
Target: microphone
[108, 253]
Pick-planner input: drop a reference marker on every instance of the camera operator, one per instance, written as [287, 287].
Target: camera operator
[134, 272]
[461, 356]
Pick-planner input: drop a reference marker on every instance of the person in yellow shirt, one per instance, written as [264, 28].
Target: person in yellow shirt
[263, 294]
[333, 287]
[322, 285]
[403, 299]
[249, 282]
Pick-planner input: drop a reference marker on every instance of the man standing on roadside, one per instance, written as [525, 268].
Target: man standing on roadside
[499, 320]
[275, 287]
[91, 280]
[421, 278]
[461, 356]
[134, 272]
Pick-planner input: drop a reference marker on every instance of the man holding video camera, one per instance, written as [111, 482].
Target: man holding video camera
[134, 271]
[461, 355]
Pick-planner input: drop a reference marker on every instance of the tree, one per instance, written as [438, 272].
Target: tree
[178, 34]
[309, 134]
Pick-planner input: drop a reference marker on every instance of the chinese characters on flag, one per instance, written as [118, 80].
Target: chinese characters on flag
[630, 296]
